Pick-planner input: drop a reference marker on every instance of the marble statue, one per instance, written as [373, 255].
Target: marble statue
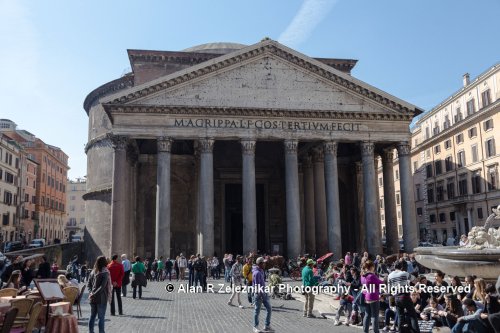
[485, 237]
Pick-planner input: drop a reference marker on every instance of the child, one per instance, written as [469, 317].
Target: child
[345, 307]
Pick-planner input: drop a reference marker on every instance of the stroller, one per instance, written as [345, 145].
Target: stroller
[275, 282]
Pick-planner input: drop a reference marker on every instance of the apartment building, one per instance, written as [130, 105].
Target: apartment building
[75, 220]
[455, 160]
[51, 178]
[9, 188]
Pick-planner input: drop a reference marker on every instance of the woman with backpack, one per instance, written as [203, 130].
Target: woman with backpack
[99, 286]
[371, 292]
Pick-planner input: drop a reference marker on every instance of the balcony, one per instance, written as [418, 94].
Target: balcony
[462, 199]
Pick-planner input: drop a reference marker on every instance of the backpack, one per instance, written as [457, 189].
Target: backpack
[198, 266]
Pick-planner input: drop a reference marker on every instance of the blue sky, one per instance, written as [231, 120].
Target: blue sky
[53, 53]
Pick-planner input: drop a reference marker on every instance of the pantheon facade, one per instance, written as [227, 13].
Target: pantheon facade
[231, 148]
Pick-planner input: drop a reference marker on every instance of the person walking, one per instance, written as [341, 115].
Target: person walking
[139, 279]
[371, 284]
[127, 267]
[117, 272]
[99, 286]
[191, 271]
[247, 275]
[236, 279]
[182, 263]
[260, 296]
[309, 281]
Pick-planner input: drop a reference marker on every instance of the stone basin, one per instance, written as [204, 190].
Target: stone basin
[461, 262]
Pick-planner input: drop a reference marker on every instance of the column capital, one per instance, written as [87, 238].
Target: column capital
[291, 146]
[318, 155]
[119, 142]
[330, 147]
[248, 146]
[164, 144]
[206, 145]
[388, 155]
[367, 148]
[404, 149]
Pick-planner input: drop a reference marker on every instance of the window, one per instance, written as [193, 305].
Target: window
[7, 198]
[381, 203]
[462, 184]
[438, 167]
[446, 123]
[442, 217]
[380, 183]
[415, 166]
[489, 146]
[419, 211]
[440, 191]
[447, 144]
[458, 115]
[474, 154]
[26, 197]
[417, 188]
[428, 169]
[428, 153]
[470, 107]
[480, 213]
[427, 133]
[459, 138]
[492, 178]
[437, 149]
[485, 98]
[436, 130]
[9, 178]
[397, 174]
[461, 159]
[472, 132]
[452, 216]
[488, 125]
[448, 163]
[476, 182]
[450, 188]
[430, 194]
[398, 199]
[432, 218]
[399, 214]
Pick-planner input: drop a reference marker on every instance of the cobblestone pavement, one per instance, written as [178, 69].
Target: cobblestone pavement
[160, 311]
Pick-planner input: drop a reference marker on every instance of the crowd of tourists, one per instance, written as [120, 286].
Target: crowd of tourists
[400, 292]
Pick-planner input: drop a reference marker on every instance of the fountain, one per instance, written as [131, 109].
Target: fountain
[480, 256]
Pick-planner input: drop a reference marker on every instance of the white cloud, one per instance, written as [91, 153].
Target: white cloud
[310, 14]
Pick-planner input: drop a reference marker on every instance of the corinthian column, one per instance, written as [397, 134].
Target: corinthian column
[410, 235]
[206, 195]
[372, 223]
[320, 202]
[119, 195]
[292, 198]
[309, 205]
[249, 201]
[391, 222]
[162, 239]
[332, 200]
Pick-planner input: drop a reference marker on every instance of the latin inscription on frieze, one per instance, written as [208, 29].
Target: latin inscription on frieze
[222, 123]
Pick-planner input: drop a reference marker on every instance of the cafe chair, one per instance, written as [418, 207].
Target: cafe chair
[24, 306]
[70, 295]
[8, 292]
[79, 300]
[31, 322]
[8, 320]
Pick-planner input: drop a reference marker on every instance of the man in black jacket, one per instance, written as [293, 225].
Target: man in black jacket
[43, 269]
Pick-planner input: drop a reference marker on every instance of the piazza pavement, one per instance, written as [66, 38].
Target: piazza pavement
[161, 311]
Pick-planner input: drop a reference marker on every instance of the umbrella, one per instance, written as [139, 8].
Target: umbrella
[326, 256]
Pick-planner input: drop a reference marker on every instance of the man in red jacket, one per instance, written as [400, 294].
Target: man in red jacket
[116, 271]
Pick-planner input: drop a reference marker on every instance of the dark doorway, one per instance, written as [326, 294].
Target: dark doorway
[234, 217]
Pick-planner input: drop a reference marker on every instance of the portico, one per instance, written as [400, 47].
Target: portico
[277, 124]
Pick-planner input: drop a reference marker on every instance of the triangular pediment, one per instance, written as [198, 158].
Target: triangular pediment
[266, 75]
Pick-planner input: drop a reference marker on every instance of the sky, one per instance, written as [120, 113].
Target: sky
[54, 53]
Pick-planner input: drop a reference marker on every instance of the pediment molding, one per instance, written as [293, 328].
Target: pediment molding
[262, 49]
[116, 109]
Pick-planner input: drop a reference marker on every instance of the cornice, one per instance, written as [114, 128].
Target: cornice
[260, 49]
[99, 141]
[256, 112]
[89, 195]
[126, 81]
